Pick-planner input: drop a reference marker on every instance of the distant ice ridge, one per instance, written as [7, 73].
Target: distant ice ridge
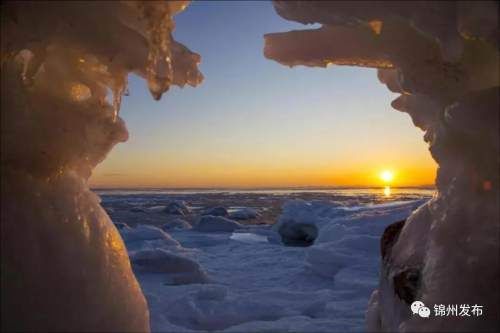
[254, 285]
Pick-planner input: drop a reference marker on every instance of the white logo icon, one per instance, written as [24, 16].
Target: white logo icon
[419, 308]
[424, 312]
[415, 306]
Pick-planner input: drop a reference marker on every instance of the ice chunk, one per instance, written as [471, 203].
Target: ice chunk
[216, 224]
[216, 211]
[297, 234]
[178, 269]
[176, 224]
[145, 232]
[297, 224]
[177, 208]
[245, 213]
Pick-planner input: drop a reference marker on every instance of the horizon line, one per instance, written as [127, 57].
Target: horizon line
[312, 187]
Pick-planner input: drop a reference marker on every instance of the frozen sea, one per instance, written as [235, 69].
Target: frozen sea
[215, 260]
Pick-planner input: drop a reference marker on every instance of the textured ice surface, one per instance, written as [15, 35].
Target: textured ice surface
[208, 223]
[178, 269]
[248, 237]
[145, 232]
[144, 237]
[216, 211]
[256, 285]
[243, 213]
[345, 236]
[176, 224]
[177, 208]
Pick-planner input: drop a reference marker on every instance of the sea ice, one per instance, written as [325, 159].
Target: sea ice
[209, 223]
[216, 211]
[245, 213]
[121, 226]
[177, 208]
[177, 223]
[259, 285]
[248, 237]
[145, 232]
[177, 268]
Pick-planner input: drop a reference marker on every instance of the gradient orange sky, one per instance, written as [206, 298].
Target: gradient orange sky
[255, 123]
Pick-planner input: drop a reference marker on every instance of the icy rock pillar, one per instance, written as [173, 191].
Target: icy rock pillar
[442, 56]
[64, 266]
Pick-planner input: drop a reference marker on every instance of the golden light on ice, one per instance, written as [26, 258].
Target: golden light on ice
[386, 176]
[387, 191]
[80, 92]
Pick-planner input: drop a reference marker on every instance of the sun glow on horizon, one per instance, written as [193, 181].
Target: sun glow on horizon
[387, 176]
[277, 128]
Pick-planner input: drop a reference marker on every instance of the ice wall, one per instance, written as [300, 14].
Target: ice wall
[64, 68]
[442, 57]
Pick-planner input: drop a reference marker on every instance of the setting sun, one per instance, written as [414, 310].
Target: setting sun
[387, 176]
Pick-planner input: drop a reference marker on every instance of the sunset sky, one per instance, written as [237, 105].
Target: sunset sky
[255, 123]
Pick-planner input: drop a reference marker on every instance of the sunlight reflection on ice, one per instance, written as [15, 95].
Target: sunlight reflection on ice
[387, 191]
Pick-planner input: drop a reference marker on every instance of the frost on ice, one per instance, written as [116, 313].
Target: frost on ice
[64, 265]
[442, 57]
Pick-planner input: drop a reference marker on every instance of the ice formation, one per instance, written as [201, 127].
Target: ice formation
[177, 208]
[244, 213]
[442, 57]
[258, 285]
[64, 266]
[343, 236]
[176, 224]
[177, 268]
[208, 223]
[216, 211]
[146, 237]
[297, 224]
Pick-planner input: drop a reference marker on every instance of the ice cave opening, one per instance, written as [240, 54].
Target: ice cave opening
[60, 59]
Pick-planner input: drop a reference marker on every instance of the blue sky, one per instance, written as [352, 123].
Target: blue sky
[254, 122]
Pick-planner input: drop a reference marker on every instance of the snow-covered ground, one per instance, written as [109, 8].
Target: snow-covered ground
[241, 277]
